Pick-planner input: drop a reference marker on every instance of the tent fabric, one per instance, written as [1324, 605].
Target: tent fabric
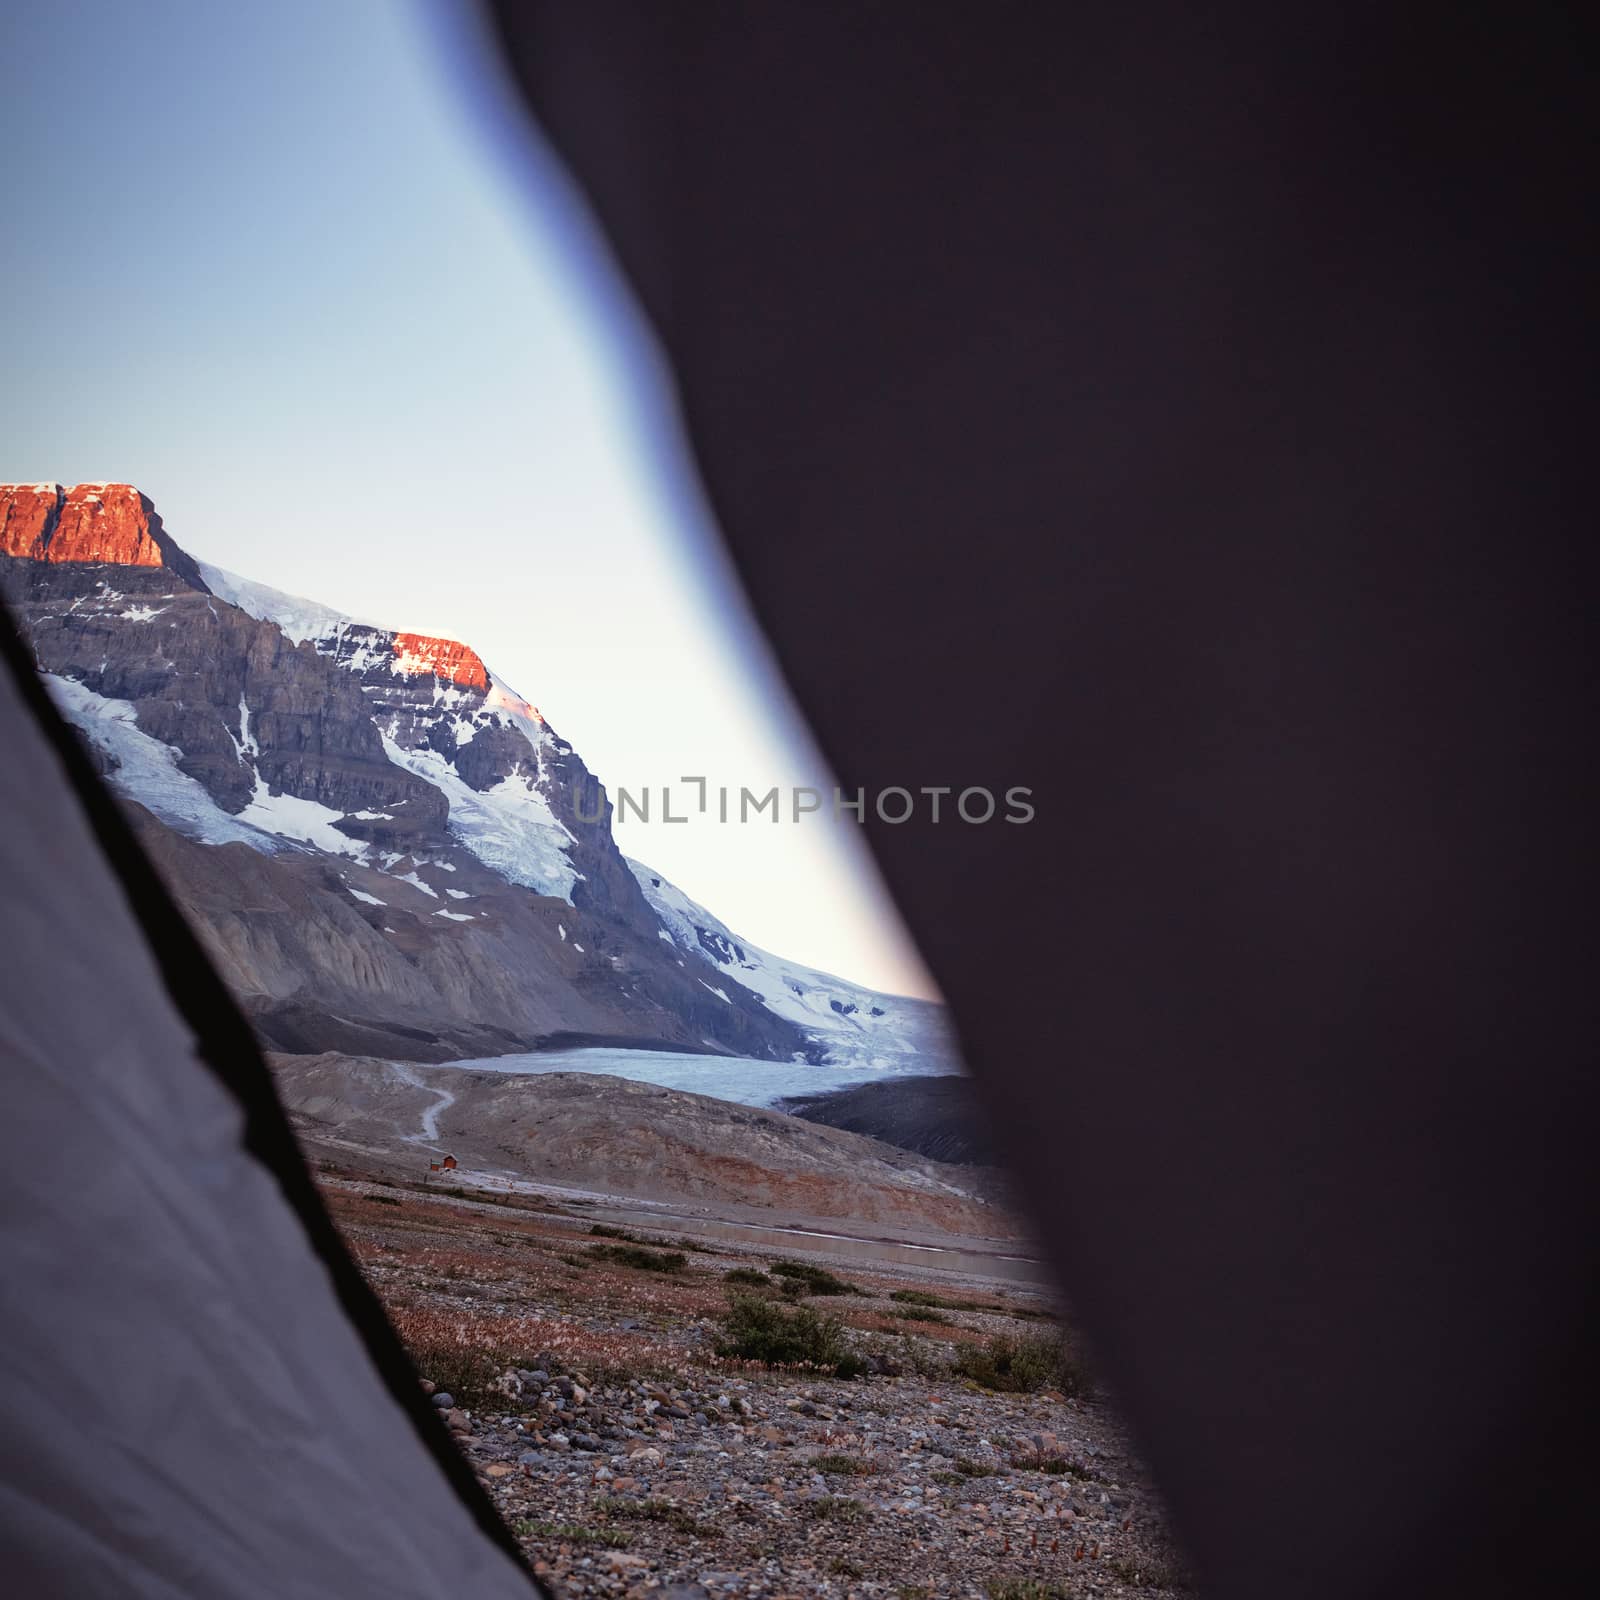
[1177, 410]
[201, 1396]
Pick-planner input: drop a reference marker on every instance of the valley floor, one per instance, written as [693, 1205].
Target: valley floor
[633, 1459]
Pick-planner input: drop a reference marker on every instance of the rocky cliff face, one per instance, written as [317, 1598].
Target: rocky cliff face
[91, 523]
[383, 845]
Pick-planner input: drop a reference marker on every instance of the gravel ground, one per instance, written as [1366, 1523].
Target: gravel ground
[634, 1460]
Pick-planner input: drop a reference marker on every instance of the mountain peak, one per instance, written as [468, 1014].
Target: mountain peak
[88, 524]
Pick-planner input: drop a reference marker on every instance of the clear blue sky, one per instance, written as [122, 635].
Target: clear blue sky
[282, 267]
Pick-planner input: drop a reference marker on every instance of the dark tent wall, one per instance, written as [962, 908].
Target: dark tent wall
[201, 1397]
[1175, 410]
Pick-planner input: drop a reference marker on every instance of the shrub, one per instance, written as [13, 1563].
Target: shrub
[468, 1371]
[1059, 1465]
[574, 1533]
[1021, 1365]
[835, 1508]
[633, 1255]
[921, 1314]
[938, 1302]
[656, 1510]
[604, 1230]
[1149, 1573]
[843, 1466]
[747, 1275]
[814, 1280]
[755, 1329]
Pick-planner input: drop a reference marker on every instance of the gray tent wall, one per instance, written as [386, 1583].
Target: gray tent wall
[201, 1397]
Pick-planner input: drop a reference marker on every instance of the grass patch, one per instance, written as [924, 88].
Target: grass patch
[755, 1329]
[574, 1533]
[972, 1469]
[1058, 1465]
[486, 1197]
[386, 1200]
[1022, 1365]
[843, 1466]
[653, 1510]
[835, 1508]
[1156, 1574]
[938, 1302]
[1025, 1589]
[635, 1255]
[467, 1372]
[604, 1230]
[921, 1314]
[747, 1275]
[814, 1280]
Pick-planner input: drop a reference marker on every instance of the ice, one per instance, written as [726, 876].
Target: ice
[147, 770]
[509, 828]
[370, 899]
[293, 818]
[247, 740]
[738, 1078]
[455, 916]
[299, 619]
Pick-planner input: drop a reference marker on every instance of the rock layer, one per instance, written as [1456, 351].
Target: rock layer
[416, 654]
[91, 524]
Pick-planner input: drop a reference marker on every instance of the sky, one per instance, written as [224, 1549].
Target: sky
[296, 271]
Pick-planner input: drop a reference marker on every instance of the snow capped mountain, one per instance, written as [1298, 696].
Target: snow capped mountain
[851, 1026]
[427, 870]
